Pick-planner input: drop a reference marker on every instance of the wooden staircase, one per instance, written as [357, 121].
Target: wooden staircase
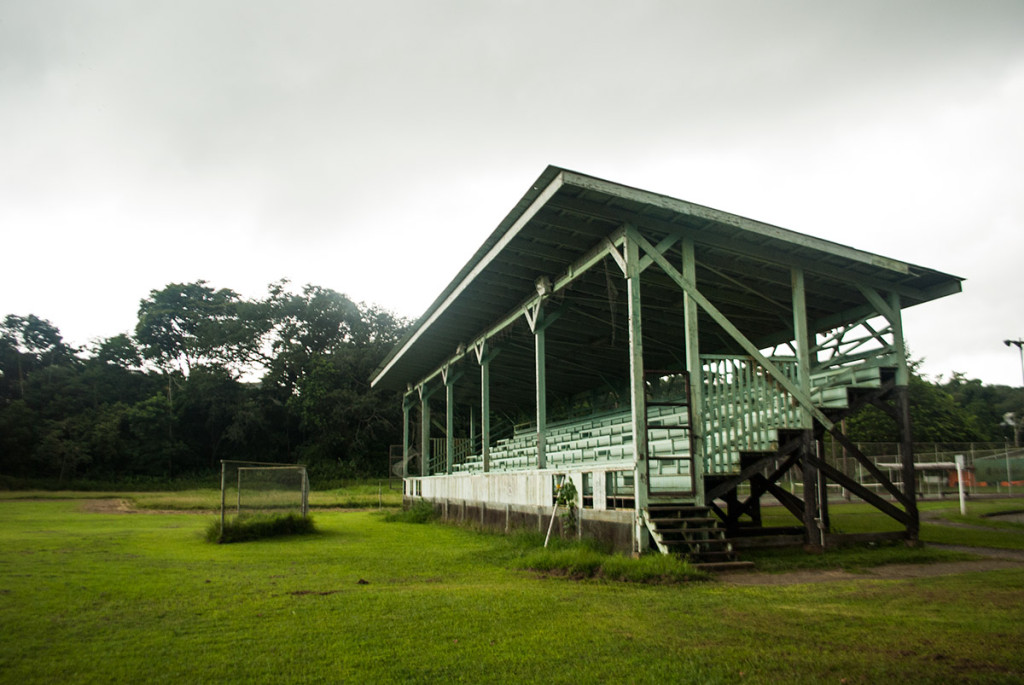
[693, 532]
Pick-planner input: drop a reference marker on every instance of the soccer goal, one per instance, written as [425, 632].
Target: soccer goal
[250, 488]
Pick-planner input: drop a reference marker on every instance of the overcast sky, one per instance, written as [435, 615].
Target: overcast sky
[371, 147]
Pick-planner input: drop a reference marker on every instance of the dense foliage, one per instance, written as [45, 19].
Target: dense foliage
[957, 410]
[206, 375]
[209, 375]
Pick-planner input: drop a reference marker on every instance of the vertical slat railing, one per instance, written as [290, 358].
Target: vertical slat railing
[743, 408]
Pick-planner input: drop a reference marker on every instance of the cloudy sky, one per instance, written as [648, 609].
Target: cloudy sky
[370, 147]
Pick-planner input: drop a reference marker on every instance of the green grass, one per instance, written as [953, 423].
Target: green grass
[853, 559]
[863, 518]
[96, 597]
[354, 495]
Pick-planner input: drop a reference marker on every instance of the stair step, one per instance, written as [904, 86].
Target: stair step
[722, 566]
[693, 533]
[702, 521]
[689, 508]
[717, 534]
[714, 555]
[689, 530]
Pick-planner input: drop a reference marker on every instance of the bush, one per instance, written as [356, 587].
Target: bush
[244, 528]
[583, 561]
[420, 512]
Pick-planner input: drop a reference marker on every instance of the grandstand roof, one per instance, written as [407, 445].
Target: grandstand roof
[744, 268]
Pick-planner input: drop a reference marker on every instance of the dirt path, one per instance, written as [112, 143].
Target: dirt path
[993, 560]
[887, 572]
[125, 506]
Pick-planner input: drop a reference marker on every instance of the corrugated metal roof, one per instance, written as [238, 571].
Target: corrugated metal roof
[743, 268]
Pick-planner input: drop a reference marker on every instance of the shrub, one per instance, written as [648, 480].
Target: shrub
[583, 561]
[420, 512]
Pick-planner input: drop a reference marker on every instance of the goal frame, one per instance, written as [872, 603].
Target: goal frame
[241, 466]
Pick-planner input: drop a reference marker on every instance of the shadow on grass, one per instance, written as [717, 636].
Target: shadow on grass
[259, 527]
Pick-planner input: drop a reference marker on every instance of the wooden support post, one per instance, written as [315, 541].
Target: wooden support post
[424, 431]
[637, 389]
[902, 400]
[484, 358]
[809, 444]
[902, 396]
[733, 332]
[694, 368]
[819, 446]
[542, 391]
[810, 474]
[406, 437]
[449, 423]
[803, 343]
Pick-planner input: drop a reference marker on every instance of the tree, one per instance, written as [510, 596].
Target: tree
[186, 325]
[120, 350]
[935, 417]
[28, 343]
[325, 348]
[990, 404]
[172, 400]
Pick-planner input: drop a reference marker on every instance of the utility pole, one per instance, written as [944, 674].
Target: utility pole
[1020, 348]
[1018, 421]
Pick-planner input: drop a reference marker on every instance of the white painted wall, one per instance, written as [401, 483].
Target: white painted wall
[520, 488]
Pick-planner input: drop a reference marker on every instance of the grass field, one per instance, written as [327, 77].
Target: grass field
[356, 495]
[88, 596]
[862, 518]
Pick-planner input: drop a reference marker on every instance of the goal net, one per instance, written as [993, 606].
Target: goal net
[248, 488]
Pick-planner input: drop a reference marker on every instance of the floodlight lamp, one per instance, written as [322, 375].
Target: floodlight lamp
[544, 287]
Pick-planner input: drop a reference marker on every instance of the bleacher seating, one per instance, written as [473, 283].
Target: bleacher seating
[742, 423]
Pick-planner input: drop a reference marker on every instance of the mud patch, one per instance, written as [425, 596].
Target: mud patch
[125, 506]
[106, 506]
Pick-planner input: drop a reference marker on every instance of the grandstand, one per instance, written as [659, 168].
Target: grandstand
[676, 361]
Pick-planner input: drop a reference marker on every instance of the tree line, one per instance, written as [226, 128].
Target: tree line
[209, 375]
[206, 375]
[953, 410]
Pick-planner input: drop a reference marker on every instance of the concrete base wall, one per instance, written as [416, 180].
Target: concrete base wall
[612, 527]
[523, 500]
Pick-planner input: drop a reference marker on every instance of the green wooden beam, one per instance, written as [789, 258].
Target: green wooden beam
[748, 226]
[691, 331]
[590, 259]
[637, 389]
[449, 389]
[424, 431]
[733, 332]
[803, 342]
[406, 411]
[540, 356]
[469, 274]
[484, 355]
